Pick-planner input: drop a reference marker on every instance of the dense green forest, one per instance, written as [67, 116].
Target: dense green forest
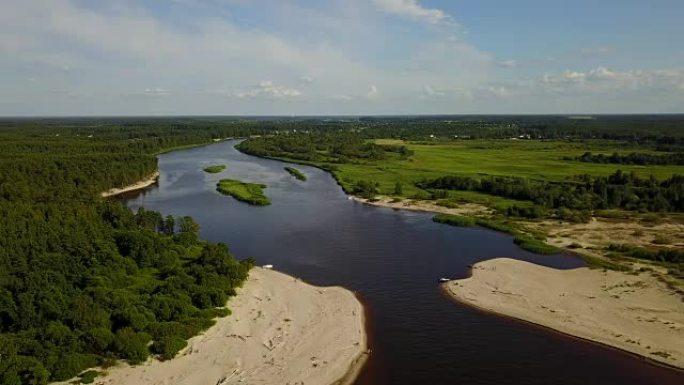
[84, 281]
[584, 192]
[633, 158]
[333, 147]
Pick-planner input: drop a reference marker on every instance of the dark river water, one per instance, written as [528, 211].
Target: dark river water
[392, 260]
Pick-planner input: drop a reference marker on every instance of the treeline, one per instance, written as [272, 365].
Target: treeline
[633, 158]
[584, 192]
[83, 281]
[337, 147]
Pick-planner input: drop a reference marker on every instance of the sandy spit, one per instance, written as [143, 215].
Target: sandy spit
[425, 206]
[635, 313]
[136, 186]
[281, 331]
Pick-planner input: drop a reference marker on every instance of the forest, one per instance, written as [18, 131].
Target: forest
[583, 192]
[633, 158]
[85, 281]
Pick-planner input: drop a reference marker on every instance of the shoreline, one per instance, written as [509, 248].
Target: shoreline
[281, 330]
[637, 315]
[149, 181]
[423, 206]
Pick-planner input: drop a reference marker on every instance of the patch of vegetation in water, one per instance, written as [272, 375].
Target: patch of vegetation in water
[529, 242]
[252, 193]
[215, 168]
[535, 245]
[296, 173]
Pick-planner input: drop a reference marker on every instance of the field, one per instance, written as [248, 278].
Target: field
[540, 160]
[252, 193]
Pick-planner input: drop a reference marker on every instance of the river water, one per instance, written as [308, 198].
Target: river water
[392, 260]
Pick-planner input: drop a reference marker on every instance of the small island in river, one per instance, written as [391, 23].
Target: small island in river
[296, 173]
[252, 193]
[215, 169]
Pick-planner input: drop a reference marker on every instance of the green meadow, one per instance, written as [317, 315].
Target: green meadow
[540, 160]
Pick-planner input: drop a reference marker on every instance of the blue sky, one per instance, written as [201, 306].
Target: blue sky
[306, 57]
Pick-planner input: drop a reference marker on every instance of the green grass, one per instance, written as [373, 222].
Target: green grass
[215, 168]
[252, 193]
[530, 242]
[454, 220]
[535, 245]
[87, 377]
[296, 173]
[539, 160]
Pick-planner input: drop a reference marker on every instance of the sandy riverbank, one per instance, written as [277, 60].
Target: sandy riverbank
[426, 206]
[152, 179]
[282, 331]
[635, 313]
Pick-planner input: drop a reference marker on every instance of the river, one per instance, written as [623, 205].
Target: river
[392, 260]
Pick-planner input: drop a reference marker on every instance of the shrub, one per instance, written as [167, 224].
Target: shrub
[454, 220]
[168, 347]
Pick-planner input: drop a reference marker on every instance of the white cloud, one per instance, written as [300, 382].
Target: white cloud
[155, 92]
[429, 92]
[267, 89]
[412, 9]
[602, 79]
[373, 93]
[510, 63]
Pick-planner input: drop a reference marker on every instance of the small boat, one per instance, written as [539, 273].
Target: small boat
[444, 280]
[268, 266]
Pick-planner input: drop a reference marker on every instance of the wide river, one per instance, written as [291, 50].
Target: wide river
[392, 260]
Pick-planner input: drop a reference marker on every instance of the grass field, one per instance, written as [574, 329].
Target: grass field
[541, 160]
[252, 193]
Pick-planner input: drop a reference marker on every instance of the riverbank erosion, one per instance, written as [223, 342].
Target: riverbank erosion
[281, 331]
[152, 179]
[633, 312]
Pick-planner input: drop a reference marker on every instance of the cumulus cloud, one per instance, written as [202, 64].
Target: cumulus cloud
[412, 9]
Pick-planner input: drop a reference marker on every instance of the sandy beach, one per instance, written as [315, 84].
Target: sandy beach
[425, 206]
[152, 179]
[635, 313]
[281, 331]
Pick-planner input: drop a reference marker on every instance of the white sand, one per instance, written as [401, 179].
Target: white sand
[282, 331]
[424, 205]
[638, 314]
[135, 186]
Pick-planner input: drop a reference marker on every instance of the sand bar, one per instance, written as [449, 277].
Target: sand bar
[152, 179]
[635, 313]
[424, 206]
[282, 331]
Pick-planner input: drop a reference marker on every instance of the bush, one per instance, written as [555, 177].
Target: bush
[454, 220]
[168, 347]
[88, 377]
[535, 245]
[132, 345]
